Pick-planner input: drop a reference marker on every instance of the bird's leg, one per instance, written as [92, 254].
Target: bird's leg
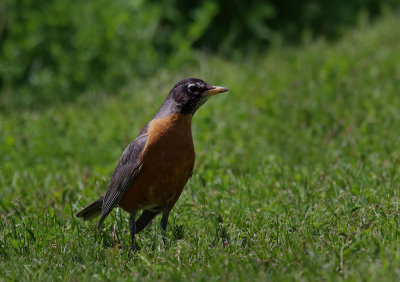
[144, 219]
[164, 223]
[132, 228]
[164, 219]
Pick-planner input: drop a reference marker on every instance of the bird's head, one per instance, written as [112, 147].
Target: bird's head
[188, 95]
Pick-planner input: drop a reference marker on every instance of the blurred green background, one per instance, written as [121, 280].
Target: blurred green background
[55, 50]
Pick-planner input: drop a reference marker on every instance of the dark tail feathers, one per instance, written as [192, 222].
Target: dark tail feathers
[92, 210]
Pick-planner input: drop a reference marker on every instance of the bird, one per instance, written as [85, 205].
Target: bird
[157, 164]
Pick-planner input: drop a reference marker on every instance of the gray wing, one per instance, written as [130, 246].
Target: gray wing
[127, 169]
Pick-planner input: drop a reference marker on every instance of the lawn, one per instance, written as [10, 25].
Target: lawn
[296, 177]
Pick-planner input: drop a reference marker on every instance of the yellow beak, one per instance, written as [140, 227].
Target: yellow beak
[216, 90]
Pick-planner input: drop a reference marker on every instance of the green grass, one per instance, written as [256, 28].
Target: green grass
[296, 177]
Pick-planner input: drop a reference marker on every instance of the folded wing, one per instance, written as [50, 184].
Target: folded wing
[128, 168]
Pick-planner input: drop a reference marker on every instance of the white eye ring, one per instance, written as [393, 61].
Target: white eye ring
[193, 88]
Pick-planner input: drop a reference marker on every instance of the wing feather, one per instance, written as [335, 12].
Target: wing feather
[128, 168]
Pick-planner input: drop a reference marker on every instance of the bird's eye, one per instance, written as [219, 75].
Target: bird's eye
[192, 88]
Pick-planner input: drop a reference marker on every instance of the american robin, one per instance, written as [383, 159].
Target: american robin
[154, 168]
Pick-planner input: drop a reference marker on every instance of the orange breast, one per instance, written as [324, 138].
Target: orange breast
[167, 160]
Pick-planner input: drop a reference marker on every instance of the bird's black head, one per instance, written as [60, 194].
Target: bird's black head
[187, 96]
